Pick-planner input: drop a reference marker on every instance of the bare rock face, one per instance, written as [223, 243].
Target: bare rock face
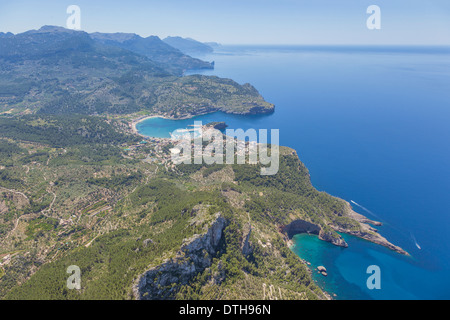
[330, 237]
[300, 226]
[322, 270]
[162, 281]
[246, 245]
[368, 234]
[366, 231]
[146, 242]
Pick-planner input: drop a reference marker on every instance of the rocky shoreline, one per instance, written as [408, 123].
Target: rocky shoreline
[366, 232]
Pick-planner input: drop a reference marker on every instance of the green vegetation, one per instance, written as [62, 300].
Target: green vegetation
[94, 207]
[40, 226]
[77, 188]
[166, 207]
[188, 45]
[116, 182]
[62, 131]
[8, 150]
[59, 71]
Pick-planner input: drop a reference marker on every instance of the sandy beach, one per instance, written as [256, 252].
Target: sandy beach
[136, 121]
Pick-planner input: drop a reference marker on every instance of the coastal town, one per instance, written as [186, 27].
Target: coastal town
[162, 150]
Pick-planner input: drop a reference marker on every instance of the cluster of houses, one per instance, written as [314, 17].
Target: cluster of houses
[163, 150]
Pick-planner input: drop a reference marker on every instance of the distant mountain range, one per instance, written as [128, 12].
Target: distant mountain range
[188, 45]
[152, 47]
[6, 35]
[60, 71]
[172, 51]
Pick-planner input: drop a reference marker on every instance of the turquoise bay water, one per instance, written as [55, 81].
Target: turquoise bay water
[373, 126]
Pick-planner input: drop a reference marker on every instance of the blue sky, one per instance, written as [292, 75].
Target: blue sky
[245, 21]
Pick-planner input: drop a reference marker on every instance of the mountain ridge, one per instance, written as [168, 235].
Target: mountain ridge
[152, 47]
[56, 70]
[188, 45]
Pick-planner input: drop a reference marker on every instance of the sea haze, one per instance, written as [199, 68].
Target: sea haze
[372, 124]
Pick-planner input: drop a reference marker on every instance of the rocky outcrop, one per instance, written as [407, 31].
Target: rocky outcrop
[245, 245]
[161, 282]
[333, 238]
[366, 231]
[262, 110]
[322, 270]
[217, 125]
[371, 234]
[358, 217]
[146, 242]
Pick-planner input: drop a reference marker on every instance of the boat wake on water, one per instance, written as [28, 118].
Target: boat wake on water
[379, 219]
[365, 209]
[415, 241]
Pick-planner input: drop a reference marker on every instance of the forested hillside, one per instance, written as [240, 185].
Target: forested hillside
[58, 71]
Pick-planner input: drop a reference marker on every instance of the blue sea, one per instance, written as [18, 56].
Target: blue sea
[372, 124]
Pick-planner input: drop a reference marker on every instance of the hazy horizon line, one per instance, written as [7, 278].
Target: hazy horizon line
[254, 44]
